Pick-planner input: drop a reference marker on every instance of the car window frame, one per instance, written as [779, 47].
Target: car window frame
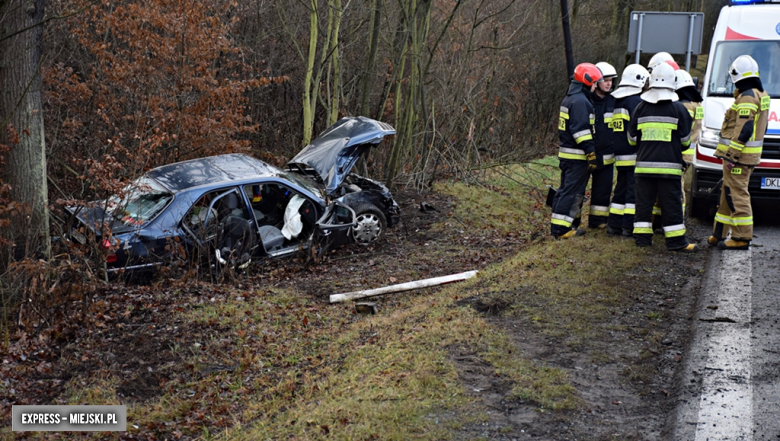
[222, 192]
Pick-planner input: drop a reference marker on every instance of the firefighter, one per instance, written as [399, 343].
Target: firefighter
[742, 138]
[577, 151]
[602, 176]
[661, 57]
[691, 99]
[622, 208]
[660, 128]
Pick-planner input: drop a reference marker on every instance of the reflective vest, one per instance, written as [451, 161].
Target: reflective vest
[660, 132]
[744, 126]
[575, 124]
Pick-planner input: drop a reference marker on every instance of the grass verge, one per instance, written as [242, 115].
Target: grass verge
[260, 363]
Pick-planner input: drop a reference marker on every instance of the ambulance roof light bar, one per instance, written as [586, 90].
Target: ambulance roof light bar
[752, 2]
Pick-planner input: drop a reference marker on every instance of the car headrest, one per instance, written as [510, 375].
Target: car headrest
[231, 201]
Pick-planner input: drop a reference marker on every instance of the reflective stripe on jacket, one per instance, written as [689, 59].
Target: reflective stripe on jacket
[625, 153]
[743, 129]
[661, 132]
[603, 136]
[696, 110]
[575, 125]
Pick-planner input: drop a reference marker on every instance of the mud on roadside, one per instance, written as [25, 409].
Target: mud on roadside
[628, 379]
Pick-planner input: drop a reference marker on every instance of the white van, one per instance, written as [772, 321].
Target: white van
[752, 28]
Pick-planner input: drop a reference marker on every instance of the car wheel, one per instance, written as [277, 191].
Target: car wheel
[370, 224]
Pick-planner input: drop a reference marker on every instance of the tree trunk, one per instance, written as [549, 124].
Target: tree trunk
[335, 8]
[20, 106]
[372, 46]
[309, 98]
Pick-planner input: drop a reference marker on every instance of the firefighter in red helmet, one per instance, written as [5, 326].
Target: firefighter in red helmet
[577, 150]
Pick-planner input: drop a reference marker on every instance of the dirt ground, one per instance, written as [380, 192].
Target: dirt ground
[630, 389]
[627, 379]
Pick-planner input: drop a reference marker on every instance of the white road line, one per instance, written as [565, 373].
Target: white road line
[726, 406]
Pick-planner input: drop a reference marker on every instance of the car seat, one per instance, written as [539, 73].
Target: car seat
[271, 237]
[227, 206]
[236, 240]
[268, 205]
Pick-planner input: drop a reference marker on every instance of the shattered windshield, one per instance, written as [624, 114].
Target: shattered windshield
[139, 202]
[765, 52]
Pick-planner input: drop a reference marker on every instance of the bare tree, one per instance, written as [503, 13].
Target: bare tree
[21, 112]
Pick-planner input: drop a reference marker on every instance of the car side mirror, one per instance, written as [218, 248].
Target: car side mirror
[696, 82]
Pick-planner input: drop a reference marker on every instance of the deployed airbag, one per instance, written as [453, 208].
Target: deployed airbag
[292, 218]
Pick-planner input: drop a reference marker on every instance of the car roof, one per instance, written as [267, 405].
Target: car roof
[211, 170]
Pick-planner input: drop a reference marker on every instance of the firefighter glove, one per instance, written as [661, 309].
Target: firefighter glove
[593, 161]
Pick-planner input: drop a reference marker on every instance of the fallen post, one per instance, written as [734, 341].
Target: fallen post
[408, 286]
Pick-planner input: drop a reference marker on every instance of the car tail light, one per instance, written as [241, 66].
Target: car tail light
[111, 257]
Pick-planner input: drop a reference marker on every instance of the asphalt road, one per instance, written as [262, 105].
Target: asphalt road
[730, 387]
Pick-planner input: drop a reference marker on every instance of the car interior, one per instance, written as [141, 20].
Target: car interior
[235, 236]
[284, 220]
[274, 208]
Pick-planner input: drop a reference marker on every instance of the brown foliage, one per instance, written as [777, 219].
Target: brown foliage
[153, 82]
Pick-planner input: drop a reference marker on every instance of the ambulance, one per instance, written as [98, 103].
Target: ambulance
[748, 27]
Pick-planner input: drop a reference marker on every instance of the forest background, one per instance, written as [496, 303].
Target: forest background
[96, 92]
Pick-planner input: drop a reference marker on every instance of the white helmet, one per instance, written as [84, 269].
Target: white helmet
[663, 77]
[662, 83]
[632, 81]
[607, 71]
[660, 57]
[634, 75]
[743, 67]
[684, 79]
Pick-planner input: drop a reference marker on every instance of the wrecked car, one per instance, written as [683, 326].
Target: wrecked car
[235, 208]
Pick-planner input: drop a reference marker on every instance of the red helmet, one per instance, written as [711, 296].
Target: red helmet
[673, 64]
[587, 74]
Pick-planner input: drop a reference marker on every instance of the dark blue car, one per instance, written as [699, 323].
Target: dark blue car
[235, 208]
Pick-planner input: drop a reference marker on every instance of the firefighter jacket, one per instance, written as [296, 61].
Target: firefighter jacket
[575, 126]
[625, 153]
[744, 126]
[697, 113]
[660, 132]
[603, 136]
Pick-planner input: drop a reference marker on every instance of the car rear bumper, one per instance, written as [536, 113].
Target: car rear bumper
[705, 184]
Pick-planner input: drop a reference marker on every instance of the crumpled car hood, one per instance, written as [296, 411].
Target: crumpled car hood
[333, 154]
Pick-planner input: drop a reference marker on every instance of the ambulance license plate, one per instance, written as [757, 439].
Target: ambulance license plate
[770, 183]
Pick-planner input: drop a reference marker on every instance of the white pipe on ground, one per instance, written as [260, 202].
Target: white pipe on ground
[402, 287]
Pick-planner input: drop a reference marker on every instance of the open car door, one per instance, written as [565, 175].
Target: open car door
[221, 226]
[333, 226]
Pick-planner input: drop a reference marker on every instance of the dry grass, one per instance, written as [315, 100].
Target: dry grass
[509, 199]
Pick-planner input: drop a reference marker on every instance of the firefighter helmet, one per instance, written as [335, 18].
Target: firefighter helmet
[587, 74]
[684, 79]
[657, 59]
[632, 81]
[662, 83]
[634, 75]
[743, 67]
[607, 71]
[662, 77]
